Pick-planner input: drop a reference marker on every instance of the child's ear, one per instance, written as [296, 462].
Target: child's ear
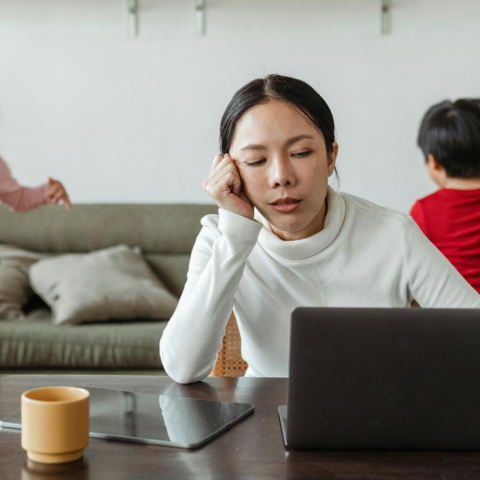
[432, 164]
[436, 171]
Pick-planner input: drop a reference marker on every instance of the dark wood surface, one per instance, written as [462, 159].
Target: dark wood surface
[251, 449]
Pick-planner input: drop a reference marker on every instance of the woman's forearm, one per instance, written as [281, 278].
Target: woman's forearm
[193, 337]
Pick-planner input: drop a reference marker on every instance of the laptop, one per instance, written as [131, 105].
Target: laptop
[383, 378]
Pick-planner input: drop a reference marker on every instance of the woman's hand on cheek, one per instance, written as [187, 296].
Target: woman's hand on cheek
[224, 185]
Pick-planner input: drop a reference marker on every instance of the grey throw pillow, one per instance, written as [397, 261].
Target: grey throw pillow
[114, 283]
[14, 286]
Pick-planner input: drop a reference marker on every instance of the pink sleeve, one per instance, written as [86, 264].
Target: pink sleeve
[16, 196]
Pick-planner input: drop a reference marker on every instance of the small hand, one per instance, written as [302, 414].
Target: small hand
[56, 192]
[224, 185]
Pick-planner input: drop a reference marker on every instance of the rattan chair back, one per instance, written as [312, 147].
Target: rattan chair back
[230, 362]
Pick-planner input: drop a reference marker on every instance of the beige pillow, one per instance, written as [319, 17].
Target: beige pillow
[114, 283]
[14, 286]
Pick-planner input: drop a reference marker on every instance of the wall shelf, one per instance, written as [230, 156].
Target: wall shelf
[132, 18]
[385, 15]
[200, 17]
[200, 7]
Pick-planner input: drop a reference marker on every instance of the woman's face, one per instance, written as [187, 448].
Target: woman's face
[284, 166]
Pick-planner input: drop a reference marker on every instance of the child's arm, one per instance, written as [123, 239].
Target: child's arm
[22, 199]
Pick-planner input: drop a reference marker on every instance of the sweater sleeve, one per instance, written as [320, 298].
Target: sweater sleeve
[433, 281]
[16, 196]
[193, 337]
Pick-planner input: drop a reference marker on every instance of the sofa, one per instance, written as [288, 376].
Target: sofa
[165, 234]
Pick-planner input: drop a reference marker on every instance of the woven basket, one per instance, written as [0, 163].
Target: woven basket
[230, 362]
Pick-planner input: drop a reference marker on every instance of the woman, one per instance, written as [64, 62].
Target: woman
[283, 239]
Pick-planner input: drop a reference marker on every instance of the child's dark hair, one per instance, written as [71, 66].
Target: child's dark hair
[450, 131]
[277, 87]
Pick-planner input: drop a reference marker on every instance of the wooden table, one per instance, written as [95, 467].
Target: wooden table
[252, 449]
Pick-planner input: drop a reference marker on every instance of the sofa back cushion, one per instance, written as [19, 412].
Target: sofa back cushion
[14, 286]
[110, 284]
[164, 228]
[165, 232]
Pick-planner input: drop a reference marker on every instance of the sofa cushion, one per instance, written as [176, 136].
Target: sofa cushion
[14, 287]
[171, 269]
[113, 283]
[162, 228]
[37, 343]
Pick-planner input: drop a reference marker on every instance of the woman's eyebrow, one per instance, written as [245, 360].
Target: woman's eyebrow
[253, 146]
[288, 143]
[296, 139]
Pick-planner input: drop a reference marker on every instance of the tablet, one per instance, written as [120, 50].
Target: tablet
[154, 419]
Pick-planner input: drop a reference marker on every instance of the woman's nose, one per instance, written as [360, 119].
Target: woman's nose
[282, 173]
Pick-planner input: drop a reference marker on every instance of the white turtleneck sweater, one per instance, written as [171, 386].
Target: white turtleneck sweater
[365, 256]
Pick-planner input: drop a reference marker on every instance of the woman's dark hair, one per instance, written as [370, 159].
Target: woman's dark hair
[277, 87]
[450, 131]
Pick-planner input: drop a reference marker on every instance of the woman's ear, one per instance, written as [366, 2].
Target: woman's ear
[332, 158]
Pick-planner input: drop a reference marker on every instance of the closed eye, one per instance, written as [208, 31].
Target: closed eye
[302, 154]
[255, 164]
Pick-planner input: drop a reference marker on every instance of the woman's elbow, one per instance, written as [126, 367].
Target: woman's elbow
[179, 371]
[183, 375]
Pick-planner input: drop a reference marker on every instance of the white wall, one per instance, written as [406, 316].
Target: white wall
[123, 120]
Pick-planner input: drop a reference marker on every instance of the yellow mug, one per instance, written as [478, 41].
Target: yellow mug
[55, 423]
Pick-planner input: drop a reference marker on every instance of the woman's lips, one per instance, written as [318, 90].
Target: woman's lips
[285, 205]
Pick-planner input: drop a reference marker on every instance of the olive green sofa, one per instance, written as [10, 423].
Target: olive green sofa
[165, 233]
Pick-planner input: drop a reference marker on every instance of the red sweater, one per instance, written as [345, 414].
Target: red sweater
[451, 221]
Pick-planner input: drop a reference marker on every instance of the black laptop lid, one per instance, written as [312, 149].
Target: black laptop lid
[376, 378]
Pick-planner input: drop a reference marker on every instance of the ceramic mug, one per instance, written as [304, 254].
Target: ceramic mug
[55, 423]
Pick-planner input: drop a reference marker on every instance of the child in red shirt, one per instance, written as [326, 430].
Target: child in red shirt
[450, 140]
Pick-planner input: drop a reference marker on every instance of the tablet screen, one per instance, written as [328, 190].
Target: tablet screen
[155, 419]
